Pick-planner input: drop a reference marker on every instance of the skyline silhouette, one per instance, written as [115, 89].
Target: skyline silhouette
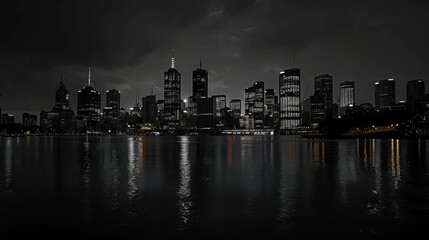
[128, 45]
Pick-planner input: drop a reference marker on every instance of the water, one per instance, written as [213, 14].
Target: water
[220, 186]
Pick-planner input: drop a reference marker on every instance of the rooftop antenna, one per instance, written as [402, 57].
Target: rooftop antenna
[89, 76]
[172, 59]
[201, 64]
[151, 89]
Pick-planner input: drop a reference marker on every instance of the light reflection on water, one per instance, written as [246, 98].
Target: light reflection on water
[276, 184]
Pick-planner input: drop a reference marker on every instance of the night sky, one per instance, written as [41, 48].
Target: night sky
[128, 45]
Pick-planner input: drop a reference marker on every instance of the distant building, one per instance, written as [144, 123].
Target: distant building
[172, 100]
[89, 105]
[384, 94]
[111, 118]
[113, 103]
[150, 109]
[219, 102]
[254, 104]
[200, 79]
[62, 97]
[290, 99]
[29, 119]
[416, 95]
[323, 87]
[235, 106]
[7, 119]
[318, 109]
[271, 102]
[205, 113]
[347, 96]
[306, 112]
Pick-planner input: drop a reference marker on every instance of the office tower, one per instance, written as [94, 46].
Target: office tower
[235, 106]
[89, 104]
[111, 120]
[219, 102]
[113, 102]
[200, 79]
[7, 119]
[323, 87]
[384, 94]
[62, 98]
[249, 100]
[415, 95]
[258, 108]
[318, 108]
[172, 100]
[347, 96]
[29, 119]
[270, 104]
[290, 99]
[205, 110]
[306, 111]
[150, 110]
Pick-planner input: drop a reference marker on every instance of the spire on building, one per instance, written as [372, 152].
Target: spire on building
[172, 59]
[201, 64]
[89, 76]
[151, 89]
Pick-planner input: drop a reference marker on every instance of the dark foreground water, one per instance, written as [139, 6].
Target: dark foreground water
[216, 187]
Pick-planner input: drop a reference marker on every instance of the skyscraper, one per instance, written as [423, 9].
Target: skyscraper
[290, 99]
[384, 94]
[113, 102]
[415, 95]
[323, 87]
[62, 98]
[235, 106]
[200, 79]
[89, 104]
[258, 108]
[172, 99]
[347, 96]
[271, 109]
[219, 102]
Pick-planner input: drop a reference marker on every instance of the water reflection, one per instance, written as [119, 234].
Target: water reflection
[394, 161]
[184, 192]
[317, 153]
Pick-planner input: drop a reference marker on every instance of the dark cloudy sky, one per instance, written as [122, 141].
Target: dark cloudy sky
[128, 45]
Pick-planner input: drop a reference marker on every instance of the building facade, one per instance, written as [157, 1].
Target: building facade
[347, 96]
[290, 99]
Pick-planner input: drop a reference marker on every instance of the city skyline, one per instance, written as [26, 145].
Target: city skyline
[241, 43]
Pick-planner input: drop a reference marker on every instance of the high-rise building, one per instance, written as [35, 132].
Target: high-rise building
[323, 87]
[384, 94]
[290, 99]
[200, 79]
[254, 104]
[205, 110]
[347, 96]
[416, 95]
[62, 97]
[258, 107]
[172, 100]
[149, 109]
[89, 104]
[271, 102]
[7, 119]
[235, 106]
[29, 119]
[219, 102]
[249, 100]
[113, 103]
